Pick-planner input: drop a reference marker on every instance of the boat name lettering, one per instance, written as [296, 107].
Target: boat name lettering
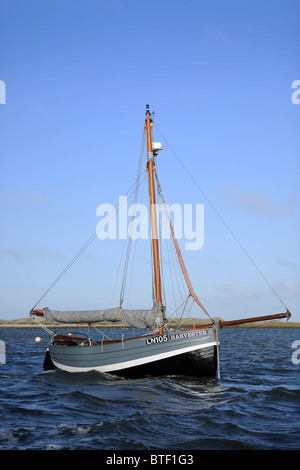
[188, 334]
[175, 336]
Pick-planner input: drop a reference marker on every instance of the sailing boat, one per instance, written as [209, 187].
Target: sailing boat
[161, 350]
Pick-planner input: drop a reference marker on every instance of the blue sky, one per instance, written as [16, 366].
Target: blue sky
[218, 76]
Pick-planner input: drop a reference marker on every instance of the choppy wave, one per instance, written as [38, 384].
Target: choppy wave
[251, 407]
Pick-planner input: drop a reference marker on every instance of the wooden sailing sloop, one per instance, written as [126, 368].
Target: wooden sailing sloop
[189, 351]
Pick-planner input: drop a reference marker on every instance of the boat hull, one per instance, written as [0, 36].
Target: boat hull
[188, 352]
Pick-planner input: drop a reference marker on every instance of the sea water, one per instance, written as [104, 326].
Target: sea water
[255, 405]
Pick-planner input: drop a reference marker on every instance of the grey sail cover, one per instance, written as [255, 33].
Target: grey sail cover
[136, 318]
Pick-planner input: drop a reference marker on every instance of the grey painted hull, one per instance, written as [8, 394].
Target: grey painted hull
[187, 352]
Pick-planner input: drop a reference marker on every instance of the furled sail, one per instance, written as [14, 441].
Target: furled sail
[136, 318]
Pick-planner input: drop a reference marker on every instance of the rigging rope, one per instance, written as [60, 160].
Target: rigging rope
[133, 216]
[88, 242]
[221, 218]
[44, 327]
[261, 353]
[180, 260]
[172, 255]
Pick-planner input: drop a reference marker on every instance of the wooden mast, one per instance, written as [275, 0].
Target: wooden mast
[154, 234]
